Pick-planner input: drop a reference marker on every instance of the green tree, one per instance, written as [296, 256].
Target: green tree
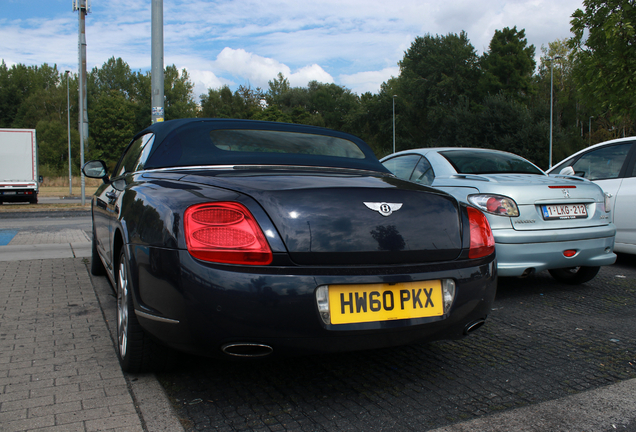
[570, 115]
[52, 140]
[605, 43]
[178, 88]
[336, 105]
[373, 119]
[436, 74]
[19, 83]
[501, 123]
[112, 126]
[115, 75]
[508, 64]
[143, 88]
[244, 103]
[272, 113]
[277, 87]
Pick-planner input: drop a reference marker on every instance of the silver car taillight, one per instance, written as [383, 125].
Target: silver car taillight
[495, 204]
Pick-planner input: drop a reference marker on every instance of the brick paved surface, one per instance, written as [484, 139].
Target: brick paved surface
[58, 367]
[543, 341]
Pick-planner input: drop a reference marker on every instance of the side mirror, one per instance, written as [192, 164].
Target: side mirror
[568, 170]
[96, 169]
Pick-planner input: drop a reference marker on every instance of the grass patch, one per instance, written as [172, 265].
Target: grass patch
[24, 207]
[62, 191]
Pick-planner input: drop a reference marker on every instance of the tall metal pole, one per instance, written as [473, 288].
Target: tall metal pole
[556, 57]
[68, 133]
[156, 78]
[83, 7]
[394, 96]
[551, 86]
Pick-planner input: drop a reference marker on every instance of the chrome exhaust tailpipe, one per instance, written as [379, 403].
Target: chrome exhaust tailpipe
[474, 326]
[527, 272]
[247, 349]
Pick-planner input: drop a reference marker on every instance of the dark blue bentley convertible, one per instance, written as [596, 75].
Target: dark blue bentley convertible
[246, 239]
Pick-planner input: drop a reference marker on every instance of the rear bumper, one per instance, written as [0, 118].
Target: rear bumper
[198, 308]
[18, 195]
[520, 252]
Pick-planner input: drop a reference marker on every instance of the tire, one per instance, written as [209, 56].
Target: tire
[136, 350]
[574, 275]
[97, 267]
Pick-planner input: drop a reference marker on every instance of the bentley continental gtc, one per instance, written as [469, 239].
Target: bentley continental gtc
[249, 239]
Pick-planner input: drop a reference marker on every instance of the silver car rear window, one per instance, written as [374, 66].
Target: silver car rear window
[487, 162]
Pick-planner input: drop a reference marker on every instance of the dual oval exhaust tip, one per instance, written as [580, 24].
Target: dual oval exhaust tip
[474, 326]
[247, 350]
[254, 350]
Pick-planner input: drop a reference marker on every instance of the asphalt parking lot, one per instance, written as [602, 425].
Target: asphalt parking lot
[550, 358]
[543, 341]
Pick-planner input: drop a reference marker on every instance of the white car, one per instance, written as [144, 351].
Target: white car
[612, 166]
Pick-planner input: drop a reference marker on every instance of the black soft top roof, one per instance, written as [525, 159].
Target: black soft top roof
[187, 142]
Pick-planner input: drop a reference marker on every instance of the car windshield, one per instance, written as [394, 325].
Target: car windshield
[214, 143]
[489, 162]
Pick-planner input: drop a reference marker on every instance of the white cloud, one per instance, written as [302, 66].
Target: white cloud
[204, 80]
[309, 73]
[369, 81]
[258, 70]
[253, 68]
[359, 42]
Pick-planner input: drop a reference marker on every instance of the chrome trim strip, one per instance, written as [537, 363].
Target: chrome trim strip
[245, 167]
[156, 318]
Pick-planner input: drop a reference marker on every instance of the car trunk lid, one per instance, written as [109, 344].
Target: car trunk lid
[327, 218]
[545, 202]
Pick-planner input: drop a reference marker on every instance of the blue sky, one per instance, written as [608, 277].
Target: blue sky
[353, 43]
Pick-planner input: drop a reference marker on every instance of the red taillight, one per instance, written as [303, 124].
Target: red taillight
[225, 232]
[482, 242]
[494, 206]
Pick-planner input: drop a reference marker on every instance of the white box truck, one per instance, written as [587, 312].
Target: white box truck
[18, 166]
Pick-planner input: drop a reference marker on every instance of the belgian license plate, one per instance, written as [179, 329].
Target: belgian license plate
[9, 193]
[383, 302]
[564, 211]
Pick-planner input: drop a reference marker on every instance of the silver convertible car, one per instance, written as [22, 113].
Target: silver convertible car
[539, 222]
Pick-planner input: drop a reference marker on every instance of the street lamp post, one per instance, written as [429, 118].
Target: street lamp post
[394, 96]
[556, 57]
[68, 133]
[589, 131]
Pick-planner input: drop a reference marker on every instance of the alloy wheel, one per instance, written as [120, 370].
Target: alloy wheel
[122, 309]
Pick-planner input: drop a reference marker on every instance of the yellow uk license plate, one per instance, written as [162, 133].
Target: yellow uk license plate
[383, 302]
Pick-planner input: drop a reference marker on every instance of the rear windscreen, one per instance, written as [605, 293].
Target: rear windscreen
[198, 144]
[487, 162]
[262, 141]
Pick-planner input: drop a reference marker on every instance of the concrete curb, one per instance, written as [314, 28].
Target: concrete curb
[45, 251]
[151, 402]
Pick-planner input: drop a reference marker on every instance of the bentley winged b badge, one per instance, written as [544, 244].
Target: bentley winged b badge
[385, 209]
